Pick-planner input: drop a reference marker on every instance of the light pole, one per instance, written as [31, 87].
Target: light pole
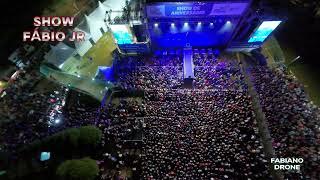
[294, 60]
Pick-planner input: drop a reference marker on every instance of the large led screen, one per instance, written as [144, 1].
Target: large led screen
[122, 34]
[264, 30]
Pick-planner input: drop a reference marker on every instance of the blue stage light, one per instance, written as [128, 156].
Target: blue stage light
[199, 27]
[156, 24]
[185, 27]
[173, 28]
[211, 24]
[227, 27]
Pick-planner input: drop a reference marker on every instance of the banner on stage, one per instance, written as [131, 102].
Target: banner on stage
[195, 9]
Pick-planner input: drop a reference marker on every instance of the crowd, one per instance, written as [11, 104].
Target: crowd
[208, 132]
[20, 111]
[19, 97]
[293, 120]
[43, 114]
[156, 72]
[204, 133]
[204, 58]
[122, 126]
[197, 134]
[217, 73]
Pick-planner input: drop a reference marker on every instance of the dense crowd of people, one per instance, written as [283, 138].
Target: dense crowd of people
[18, 97]
[217, 73]
[293, 120]
[43, 114]
[20, 111]
[208, 132]
[122, 126]
[157, 72]
[169, 132]
[197, 134]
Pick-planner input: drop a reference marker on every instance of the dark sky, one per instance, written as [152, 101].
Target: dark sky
[302, 35]
[17, 16]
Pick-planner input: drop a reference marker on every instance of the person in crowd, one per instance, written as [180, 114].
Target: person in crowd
[292, 119]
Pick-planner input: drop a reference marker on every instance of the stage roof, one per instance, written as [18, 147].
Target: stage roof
[59, 54]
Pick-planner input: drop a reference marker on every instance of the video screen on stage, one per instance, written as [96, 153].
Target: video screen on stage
[264, 30]
[122, 34]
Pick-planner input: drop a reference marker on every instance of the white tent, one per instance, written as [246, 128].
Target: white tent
[94, 28]
[83, 47]
[59, 54]
[94, 25]
[99, 16]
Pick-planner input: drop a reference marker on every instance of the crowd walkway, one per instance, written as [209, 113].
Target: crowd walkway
[188, 66]
[260, 116]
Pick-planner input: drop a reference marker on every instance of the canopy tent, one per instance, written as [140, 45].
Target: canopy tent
[94, 25]
[82, 47]
[59, 54]
[99, 15]
[95, 28]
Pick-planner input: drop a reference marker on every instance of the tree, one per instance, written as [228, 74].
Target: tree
[22, 169]
[78, 169]
[90, 135]
[72, 137]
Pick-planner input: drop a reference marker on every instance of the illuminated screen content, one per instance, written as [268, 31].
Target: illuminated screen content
[264, 30]
[122, 34]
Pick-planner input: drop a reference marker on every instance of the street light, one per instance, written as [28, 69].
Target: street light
[294, 60]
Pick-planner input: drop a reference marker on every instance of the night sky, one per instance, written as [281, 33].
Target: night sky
[17, 17]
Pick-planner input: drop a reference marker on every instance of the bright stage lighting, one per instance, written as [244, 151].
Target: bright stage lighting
[226, 27]
[199, 26]
[57, 121]
[211, 24]
[173, 28]
[156, 24]
[185, 27]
